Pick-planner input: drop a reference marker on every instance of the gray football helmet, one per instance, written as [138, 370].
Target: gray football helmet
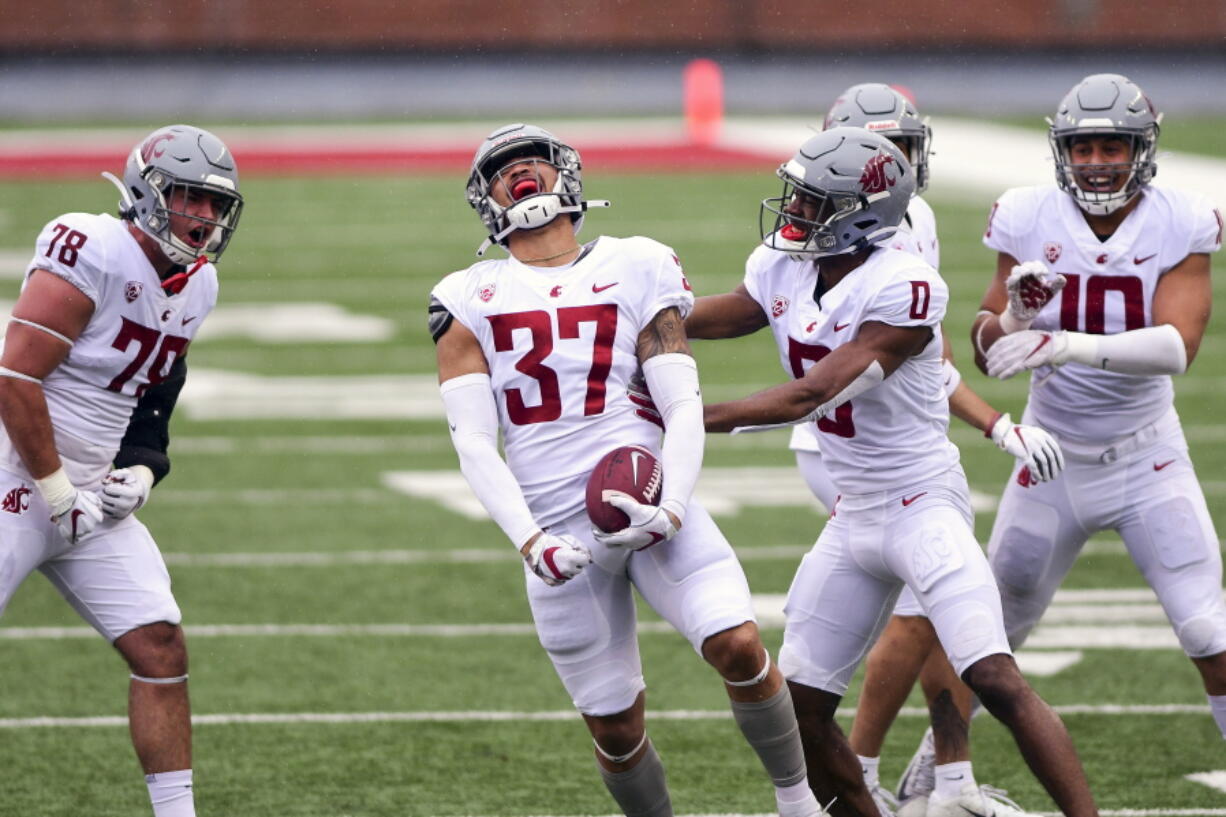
[189, 161]
[1106, 104]
[534, 206]
[879, 108]
[859, 184]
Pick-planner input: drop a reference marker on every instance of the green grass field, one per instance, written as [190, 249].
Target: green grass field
[246, 490]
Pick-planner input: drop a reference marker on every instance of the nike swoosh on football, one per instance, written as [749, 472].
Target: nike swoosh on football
[908, 500]
[1136, 260]
[840, 327]
[603, 288]
[1159, 467]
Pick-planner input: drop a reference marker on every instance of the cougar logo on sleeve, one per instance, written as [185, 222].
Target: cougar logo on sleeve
[875, 179]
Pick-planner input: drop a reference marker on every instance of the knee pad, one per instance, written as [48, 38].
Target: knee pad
[1203, 635]
[1021, 557]
[1175, 530]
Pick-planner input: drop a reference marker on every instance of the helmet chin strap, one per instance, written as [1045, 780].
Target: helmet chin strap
[498, 237]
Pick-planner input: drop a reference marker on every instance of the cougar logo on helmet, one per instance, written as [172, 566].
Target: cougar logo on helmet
[875, 179]
[151, 149]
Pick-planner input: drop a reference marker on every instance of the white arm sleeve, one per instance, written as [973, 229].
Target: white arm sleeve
[951, 376]
[472, 417]
[673, 381]
[1152, 350]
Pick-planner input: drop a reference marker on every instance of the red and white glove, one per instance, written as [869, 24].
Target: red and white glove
[1028, 349]
[1037, 449]
[76, 513]
[1030, 287]
[124, 490]
[557, 558]
[649, 524]
[640, 395]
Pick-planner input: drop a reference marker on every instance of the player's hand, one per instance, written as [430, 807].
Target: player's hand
[649, 524]
[1028, 349]
[1030, 287]
[81, 517]
[1036, 448]
[640, 395]
[124, 490]
[557, 558]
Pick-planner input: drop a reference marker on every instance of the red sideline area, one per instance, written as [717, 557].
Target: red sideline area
[264, 160]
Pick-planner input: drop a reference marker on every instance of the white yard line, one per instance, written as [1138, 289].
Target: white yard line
[508, 716]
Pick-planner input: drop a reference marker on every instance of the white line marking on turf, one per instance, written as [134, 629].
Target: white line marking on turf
[1214, 780]
[505, 716]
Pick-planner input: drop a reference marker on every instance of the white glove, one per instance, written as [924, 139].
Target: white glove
[81, 517]
[124, 490]
[1037, 449]
[1030, 286]
[557, 558]
[1028, 349]
[649, 524]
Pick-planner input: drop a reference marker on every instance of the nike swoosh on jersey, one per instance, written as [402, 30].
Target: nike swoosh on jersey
[1136, 260]
[603, 288]
[839, 327]
[906, 501]
[186, 321]
[1159, 467]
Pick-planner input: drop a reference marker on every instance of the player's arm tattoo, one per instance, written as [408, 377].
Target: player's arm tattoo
[663, 335]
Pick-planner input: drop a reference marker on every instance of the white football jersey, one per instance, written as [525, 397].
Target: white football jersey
[1110, 289]
[917, 235]
[561, 344]
[134, 336]
[894, 434]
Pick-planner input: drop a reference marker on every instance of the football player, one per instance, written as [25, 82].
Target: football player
[93, 359]
[540, 346]
[1133, 259]
[858, 326]
[908, 646]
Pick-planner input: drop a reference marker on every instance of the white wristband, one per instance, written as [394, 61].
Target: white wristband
[145, 474]
[1010, 324]
[58, 491]
[951, 376]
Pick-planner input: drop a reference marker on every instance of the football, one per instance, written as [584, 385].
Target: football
[631, 470]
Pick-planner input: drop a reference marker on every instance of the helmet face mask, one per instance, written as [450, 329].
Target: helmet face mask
[844, 190]
[180, 187]
[1101, 110]
[878, 108]
[529, 205]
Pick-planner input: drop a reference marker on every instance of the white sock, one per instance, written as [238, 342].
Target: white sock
[869, 766]
[795, 793]
[1217, 705]
[171, 793]
[951, 777]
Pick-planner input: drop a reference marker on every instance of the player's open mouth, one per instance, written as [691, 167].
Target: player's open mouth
[1097, 182]
[524, 188]
[198, 236]
[792, 232]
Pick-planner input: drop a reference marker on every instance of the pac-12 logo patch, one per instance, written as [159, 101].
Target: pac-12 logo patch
[132, 290]
[1051, 251]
